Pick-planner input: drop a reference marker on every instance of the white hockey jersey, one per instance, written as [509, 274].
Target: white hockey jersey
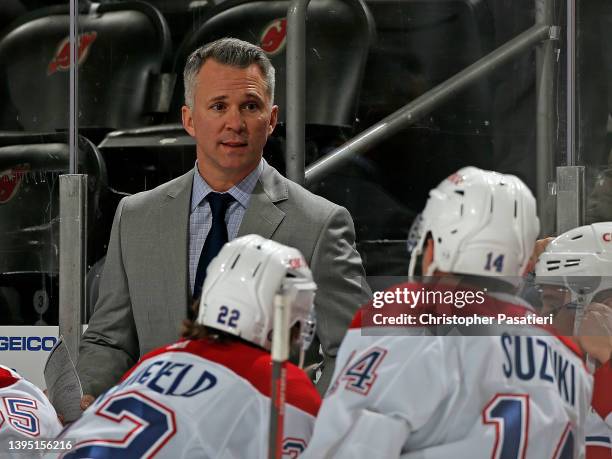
[25, 414]
[195, 399]
[599, 421]
[460, 397]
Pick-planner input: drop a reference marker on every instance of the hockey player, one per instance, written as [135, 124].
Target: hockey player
[427, 396]
[25, 414]
[207, 396]
[599, 422]
[575, 276]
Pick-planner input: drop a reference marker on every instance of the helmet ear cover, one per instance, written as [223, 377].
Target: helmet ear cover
[300, 293]
[242, 282]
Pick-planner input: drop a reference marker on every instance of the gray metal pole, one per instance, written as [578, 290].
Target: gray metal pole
[545, 122]
[427, 102]
[570, 198]
[73, 128]
[571, 83]
[72, 258]
[296, 90]
[73, 215]
[571, 192]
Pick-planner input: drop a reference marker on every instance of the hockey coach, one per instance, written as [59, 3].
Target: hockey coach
[163, 239]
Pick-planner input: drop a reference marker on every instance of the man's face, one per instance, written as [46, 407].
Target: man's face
[231, 119]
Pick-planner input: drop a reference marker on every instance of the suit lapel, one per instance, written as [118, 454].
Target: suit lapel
[262, 216]
[174, 246]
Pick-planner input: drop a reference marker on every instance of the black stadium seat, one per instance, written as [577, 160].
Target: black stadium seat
[184, 16]
[124, 54]
[9, 11]
[29, 221]
[147, 157]
[339, 35]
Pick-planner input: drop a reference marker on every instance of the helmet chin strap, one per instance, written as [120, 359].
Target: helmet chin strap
[581, 301]
[414, 256]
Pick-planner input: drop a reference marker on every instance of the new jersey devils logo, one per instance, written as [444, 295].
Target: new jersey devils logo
[274, 36]
[10, 180]
[61, 60]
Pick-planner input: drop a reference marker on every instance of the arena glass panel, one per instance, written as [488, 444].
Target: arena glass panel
[418, 44]
[129, 100]
[34, 89]
[593, 140]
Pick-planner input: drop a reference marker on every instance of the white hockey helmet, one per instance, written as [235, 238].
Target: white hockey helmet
[241, 283]
[482, 223]
[579, 260]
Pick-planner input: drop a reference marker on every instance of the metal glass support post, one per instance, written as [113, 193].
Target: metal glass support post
[571, 83]
[72, 258]
[296, 90]
[73, 128]
[570, 198]
[571, 190]
[545, 122]
[424, 104]
[73, 216]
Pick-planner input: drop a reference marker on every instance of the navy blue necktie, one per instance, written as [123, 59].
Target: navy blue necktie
[217, 236]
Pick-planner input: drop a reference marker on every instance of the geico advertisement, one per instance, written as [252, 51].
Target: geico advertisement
[25, 348]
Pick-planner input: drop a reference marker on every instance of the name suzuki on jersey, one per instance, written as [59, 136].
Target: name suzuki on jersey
[529, 357]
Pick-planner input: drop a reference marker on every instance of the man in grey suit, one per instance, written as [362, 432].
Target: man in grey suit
[158, 235]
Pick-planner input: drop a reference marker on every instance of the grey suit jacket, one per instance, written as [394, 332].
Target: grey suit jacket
[144, 292]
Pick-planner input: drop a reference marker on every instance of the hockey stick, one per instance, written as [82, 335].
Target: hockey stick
[280, 354]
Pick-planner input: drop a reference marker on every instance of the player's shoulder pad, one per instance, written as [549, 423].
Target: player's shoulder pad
[567, 341]
[255, 366]
[251, 364]
[300, 391]
[7, 377]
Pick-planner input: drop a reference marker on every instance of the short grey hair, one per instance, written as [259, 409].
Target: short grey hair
[227, 51]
